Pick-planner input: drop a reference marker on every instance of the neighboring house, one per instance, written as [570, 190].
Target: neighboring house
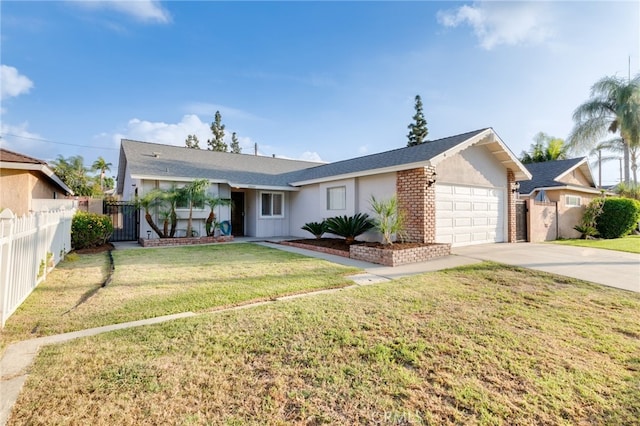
[557, 195]
[458, 190]
[26, 181]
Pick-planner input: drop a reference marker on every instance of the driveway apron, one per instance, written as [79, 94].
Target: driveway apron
[608, 267]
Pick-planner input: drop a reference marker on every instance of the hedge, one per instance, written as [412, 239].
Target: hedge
[90, 230]
[618, 218]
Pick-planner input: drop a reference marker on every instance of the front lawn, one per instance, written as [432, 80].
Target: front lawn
[483, 344]
[629, 243]
[154, 282]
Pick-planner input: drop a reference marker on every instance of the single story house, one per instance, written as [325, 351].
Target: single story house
[26, 182]
[458, 190]
[557, 195]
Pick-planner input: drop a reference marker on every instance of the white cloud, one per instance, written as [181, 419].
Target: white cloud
[209, 110]
[12, 83]
[310, 156]
[142, 10]
[508, 23]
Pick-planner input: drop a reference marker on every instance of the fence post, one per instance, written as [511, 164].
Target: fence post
[7, 222]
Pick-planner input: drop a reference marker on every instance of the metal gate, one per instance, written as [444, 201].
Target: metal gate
[521, 221]
[125, 218]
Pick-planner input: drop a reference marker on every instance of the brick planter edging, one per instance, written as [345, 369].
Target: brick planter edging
[316, 248]
[388, 257]
[183, 241]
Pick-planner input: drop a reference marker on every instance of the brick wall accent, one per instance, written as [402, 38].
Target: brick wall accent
[511, 207]
[389, 257]
[417, 199]
[165, 242]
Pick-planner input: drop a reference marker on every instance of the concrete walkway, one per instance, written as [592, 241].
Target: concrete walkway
[615, 269]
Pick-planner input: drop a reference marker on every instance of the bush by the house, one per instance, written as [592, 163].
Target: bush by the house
[90, 230]
[316, 228]
[619, 217]
[349, 227]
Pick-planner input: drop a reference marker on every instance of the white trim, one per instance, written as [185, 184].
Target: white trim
[566, 200]
[233, 185]
[567, 187]
[368, 172]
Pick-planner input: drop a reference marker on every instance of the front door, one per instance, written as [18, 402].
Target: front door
[237, 214]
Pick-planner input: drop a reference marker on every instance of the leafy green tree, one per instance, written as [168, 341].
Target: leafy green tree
[73, 173]
[235, 144]
[217, 128]
[102, 166]
[418, 129]
[192, 142]
[194, 194]
[614, 107]
[545, 148]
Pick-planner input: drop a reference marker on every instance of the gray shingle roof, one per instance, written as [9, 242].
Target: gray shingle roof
[396, 157]
[545, 173]
[151, 159]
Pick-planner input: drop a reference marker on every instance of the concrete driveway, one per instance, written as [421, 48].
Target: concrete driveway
[607, 267]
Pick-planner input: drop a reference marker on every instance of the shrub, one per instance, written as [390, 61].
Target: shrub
[90, 230]
[316, 228]
[349, 227]
[619, 217]
[587, 226]
[389, 220]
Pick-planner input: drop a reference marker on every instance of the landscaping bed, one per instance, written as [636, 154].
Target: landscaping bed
[388, 255]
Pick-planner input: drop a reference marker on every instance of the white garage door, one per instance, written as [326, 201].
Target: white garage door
[469, 215]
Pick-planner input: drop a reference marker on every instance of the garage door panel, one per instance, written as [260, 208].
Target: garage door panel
[469, 215]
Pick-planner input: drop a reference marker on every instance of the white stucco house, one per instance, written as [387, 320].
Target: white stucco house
[457, 190]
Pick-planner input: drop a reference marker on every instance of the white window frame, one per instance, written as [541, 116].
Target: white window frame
[270, 215]
[574, 198]
[342, 200]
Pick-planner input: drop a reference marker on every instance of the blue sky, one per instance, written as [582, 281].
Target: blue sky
[306, 80]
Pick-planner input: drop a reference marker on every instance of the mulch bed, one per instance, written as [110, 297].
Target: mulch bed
[98, 249]
[339, 244]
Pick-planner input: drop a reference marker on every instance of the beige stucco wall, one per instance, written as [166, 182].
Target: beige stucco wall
[542, 221]
[576, 177]
[568, 216]
[474, 166]
[19, 187]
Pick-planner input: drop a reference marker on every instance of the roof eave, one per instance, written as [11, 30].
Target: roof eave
[567, 187]
[239, 185]
[368, 172]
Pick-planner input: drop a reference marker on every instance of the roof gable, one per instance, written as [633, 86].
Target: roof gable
[548, 174]
[17, 161]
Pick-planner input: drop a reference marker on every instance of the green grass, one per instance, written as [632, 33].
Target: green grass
[155, 282]
[483, 344]
[629, 244]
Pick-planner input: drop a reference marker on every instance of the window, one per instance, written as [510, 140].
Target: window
[572, 201]
[272, 204]
[337, 198]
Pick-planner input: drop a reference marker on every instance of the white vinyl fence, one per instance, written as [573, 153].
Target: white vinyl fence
[30, 246]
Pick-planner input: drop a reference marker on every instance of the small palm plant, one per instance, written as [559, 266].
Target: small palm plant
[389, 220]
[213, 202]
[316, 228]
[349, 227]
[149, 201]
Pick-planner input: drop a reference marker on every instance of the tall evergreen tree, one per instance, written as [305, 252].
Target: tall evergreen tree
[235, 144]
[217, 128]
[192, 142]
[418, 129]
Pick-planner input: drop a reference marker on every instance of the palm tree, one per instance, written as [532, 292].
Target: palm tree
[102, 165]
[545, 148]
[617, 146]
[214, 202]
[614, 107]
[73, 173]
[194, 194]
[148, 201]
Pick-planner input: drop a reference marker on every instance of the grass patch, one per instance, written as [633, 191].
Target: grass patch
[482, 344]
[630, 243]
[154, 282]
